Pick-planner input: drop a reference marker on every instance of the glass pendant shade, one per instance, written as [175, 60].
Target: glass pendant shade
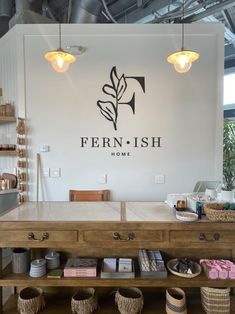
[182, 60]
[60, 59]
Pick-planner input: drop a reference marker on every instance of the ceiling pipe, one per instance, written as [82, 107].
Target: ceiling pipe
[6, 7]
[85, 11]
[22, 5]
[34, 5]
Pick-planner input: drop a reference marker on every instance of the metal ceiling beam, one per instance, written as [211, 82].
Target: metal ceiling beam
[228, 35]
[210, 11]
[135, 15]
[229, 21]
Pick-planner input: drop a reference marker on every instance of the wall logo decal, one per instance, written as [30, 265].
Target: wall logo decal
[117, 89]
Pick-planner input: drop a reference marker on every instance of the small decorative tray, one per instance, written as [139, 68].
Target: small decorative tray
[186, 216]
[196, 268]
[217, 212]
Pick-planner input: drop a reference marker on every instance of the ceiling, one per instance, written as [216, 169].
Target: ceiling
[123, 11]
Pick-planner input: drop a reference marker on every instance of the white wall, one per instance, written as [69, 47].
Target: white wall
[8, 83]
[185, 110]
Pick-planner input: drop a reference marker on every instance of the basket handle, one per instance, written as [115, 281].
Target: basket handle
[215, 237]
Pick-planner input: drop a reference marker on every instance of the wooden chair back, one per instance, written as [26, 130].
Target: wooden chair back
[88, 196]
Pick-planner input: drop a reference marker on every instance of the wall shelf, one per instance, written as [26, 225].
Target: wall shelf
[8, 153]
[9, 279]
[7, 119]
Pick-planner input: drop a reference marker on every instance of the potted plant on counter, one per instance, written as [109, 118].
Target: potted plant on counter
[227, 193]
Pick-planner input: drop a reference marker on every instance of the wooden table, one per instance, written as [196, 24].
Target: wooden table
[102, 229]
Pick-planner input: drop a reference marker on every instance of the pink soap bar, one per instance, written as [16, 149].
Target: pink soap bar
[213, 274]
[231, 274]
[223, 274]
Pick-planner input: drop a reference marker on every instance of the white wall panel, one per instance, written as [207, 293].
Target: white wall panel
[185, 110]
[9, 84]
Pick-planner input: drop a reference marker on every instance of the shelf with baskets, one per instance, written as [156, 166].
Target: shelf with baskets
[153, 304]
[7, 120]
[8, 153]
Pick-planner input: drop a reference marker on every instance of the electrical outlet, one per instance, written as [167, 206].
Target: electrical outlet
[159, 179]
[55, 172]
[44, 148]
[103, 179]
[46, 172]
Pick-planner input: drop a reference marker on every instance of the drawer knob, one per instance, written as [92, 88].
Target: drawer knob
[45, 236]
[215, 237]
[117, 237]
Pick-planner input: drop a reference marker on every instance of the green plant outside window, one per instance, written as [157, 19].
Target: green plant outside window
[228, 155]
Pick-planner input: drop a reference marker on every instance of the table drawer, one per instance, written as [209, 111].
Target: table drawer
[123, 236]
[38, 236]
[202, 236]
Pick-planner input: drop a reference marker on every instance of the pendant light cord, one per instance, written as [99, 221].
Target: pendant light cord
[183, 27]
[60, 36]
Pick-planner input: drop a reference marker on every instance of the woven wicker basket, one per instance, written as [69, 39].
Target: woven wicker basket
[215, 300]
[30, 300]
[216, 212]
[129, 300]
[196, 269]
[84, 301]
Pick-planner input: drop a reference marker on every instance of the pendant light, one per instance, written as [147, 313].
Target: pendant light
[60, 59]
[183, 59]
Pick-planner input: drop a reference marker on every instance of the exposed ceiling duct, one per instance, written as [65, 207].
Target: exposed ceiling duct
[6, 8]
[85, 11]
[29, 12]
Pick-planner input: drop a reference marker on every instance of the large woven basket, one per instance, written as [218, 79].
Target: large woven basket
[84, 301]
[216, 212]
[215, 300]
[30, 300]
[129, 300]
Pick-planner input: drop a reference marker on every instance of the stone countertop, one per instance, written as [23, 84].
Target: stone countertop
[149, 211]
[91, 211]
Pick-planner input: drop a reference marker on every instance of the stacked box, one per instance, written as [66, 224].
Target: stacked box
[152, 264]
[81, 267]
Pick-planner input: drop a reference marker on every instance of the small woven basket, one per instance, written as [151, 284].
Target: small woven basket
[196, 269]
[84, 301]
[215, 300]
[216, 212]
[30, 300]
[129, 300]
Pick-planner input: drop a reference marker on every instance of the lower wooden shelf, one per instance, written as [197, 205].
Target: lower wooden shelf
[8, 153]
[153, 304]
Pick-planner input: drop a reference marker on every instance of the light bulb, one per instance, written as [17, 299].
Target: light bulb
[182, 64]
[182, 60]
[60, 59]
[59, 64]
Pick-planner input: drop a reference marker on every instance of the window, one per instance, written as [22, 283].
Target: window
[229, 96]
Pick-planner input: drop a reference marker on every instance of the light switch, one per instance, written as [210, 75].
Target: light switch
[55, 172]
[159, 179]
[103, 179]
